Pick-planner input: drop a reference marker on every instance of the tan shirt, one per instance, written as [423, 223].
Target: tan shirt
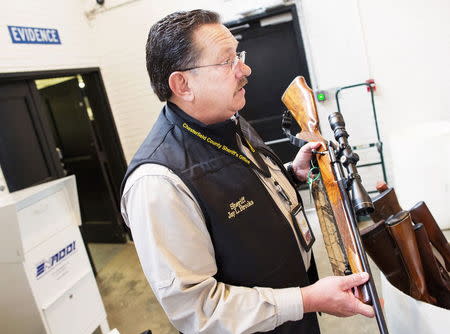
[177, 257]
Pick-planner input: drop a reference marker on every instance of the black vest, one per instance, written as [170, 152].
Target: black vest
[253, 242]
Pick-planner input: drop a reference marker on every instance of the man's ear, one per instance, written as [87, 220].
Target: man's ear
[179, 84]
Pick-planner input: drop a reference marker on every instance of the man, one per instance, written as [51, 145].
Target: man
[211, 208]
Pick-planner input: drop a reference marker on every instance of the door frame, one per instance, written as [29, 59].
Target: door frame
[43, 74]
[103, 112]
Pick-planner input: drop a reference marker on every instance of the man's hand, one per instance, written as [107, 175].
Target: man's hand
[301, 164]
[334, 295]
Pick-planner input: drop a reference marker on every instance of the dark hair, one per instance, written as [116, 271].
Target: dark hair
[170, 47]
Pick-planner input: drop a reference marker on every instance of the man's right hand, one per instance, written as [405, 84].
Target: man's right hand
[334, 295]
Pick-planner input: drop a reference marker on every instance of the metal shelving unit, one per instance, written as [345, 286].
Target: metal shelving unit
[370, 84]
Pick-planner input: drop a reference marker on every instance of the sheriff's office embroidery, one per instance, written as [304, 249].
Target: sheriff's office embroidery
[237, 207]
[216, 144]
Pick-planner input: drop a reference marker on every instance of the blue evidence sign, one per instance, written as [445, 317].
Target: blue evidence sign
[30, 35]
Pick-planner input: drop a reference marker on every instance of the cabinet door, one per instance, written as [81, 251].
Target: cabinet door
[79, 310]
[56, 264]
[46, 217]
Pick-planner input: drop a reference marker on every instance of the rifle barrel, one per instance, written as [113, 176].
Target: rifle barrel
[369, 291]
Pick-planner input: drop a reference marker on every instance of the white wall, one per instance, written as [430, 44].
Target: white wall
[66, 16]
[408, 45]
[404, 46]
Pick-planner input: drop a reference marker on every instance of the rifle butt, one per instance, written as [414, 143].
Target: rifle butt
[421, 214]
[401, 229]
[386, 255]
[438, 280]
[385, 205]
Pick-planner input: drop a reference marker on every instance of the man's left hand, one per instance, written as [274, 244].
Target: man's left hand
[301, 163]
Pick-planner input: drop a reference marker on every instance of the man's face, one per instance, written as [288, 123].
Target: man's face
[218, 90]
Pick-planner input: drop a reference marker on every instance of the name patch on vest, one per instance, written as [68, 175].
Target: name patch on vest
[237, 207]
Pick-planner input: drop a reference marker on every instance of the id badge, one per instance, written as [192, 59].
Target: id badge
[302, 227]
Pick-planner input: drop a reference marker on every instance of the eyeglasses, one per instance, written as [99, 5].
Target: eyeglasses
[240, 57]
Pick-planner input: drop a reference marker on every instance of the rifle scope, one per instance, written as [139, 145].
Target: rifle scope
[361, 200]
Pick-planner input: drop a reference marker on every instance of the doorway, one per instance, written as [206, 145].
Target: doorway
[60, 123]
[276, 54]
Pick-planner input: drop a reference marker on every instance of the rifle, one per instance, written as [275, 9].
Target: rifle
[332, 158]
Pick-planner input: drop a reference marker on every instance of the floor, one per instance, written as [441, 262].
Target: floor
[129, 302]
[132, 307]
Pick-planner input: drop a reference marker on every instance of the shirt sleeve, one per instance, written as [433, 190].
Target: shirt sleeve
[177, 257]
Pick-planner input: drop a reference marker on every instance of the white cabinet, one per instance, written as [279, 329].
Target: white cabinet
[46, 281]
[406, 315]
[80, 302]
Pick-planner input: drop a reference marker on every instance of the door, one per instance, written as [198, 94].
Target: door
[27, 150]
[276, 55]
[74, 129]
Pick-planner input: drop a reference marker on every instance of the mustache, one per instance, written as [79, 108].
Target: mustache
[242, 83]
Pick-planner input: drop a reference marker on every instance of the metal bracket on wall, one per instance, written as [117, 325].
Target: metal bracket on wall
[99, 8]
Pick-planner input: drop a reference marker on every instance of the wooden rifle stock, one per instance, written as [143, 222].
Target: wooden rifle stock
[299, 99]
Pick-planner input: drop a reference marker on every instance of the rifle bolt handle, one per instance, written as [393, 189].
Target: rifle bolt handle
[317, 152]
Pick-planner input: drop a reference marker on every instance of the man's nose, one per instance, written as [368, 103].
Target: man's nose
[243, 70]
